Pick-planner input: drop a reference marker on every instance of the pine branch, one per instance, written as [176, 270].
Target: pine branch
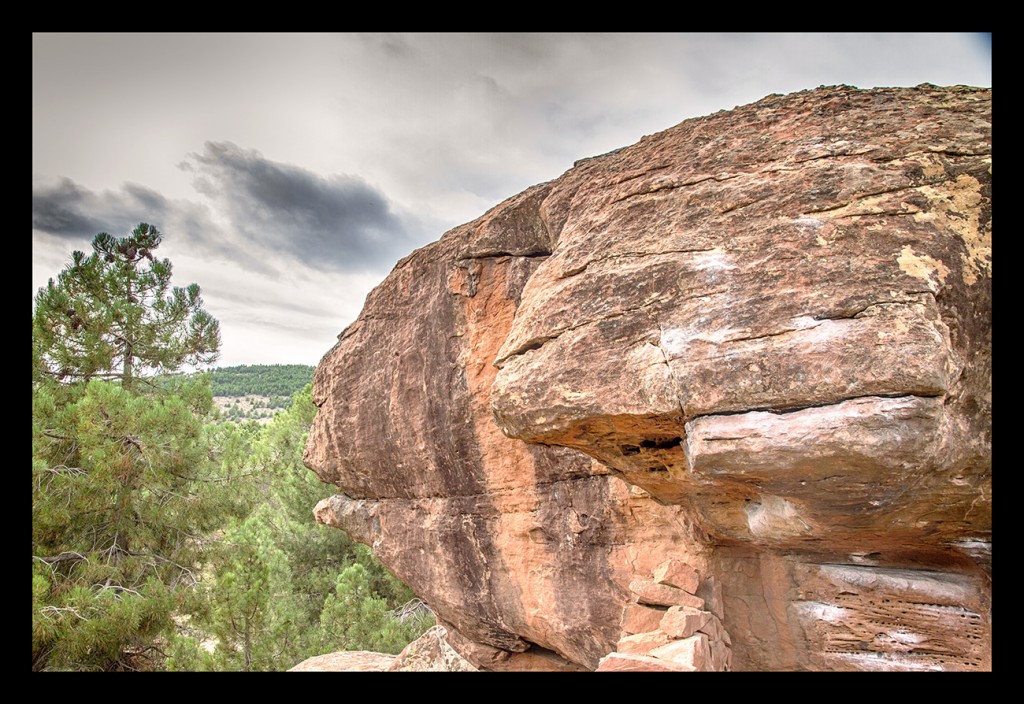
[46, 610]
[61, 557]
[118, 587]
[63, 469]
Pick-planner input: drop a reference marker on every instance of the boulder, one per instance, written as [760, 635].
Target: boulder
[685, 621]
[346, 661]
[623, 662]
[676, 573]
[758, 343]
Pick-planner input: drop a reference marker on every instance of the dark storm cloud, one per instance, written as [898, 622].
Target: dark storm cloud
[67, 210]
[338, 222]
[76, 214]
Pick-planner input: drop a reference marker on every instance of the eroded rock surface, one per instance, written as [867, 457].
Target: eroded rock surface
[346, 661]
[757, 344]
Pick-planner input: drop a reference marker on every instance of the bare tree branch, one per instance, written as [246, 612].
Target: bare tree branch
[61, 557]
[47, 610]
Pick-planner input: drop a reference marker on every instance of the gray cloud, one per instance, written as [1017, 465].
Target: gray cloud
[274, 211]
[75, 214]
[339, 222]
[71, 211]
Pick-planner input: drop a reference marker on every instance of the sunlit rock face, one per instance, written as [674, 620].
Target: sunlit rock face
[757, 345]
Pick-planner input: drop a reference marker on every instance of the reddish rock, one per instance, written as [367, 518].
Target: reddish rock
[491, 659]
[758, 342]
[676, 573]
[714, 630]
[431, 652]
[694, 652]
[642, 643]
[346, 661]
[649, 592]
[710, 590]
[684, 621]
[637, 618]
[721, 656]
[623, 662]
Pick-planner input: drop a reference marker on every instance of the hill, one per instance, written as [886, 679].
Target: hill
[257, 391]
[261, 379]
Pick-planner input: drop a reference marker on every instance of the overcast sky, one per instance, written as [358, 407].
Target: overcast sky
[289, 172]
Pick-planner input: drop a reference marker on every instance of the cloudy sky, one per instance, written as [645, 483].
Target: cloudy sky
[289, 172]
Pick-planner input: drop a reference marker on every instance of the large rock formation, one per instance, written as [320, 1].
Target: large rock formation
[741, 369]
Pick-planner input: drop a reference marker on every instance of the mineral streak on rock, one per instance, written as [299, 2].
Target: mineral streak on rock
[757, 343]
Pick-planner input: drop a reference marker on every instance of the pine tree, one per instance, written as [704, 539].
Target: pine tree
[278, 599]
[249, 597]
[125, 488]
[123, 497]
[114, 314]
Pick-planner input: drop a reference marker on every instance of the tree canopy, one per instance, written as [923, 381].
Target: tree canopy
[263, 379]
[156, 531]
[118, 522]
[113, 314]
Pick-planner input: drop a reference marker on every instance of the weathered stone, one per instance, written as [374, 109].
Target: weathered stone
[710, 590]
[624, 662]
[637, 618]
[649, 592]
[431, 652]
[346, 661]
[721, 656]
[758, 342]
[684, 621]
[693, 651]
[642, 643]
[902, 619]
[491, 659]
[676, 573]
[714, 629]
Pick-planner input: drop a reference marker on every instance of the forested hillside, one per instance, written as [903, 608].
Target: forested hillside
[258, 391]
[260, 379]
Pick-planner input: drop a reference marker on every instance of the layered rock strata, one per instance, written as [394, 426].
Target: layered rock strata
[757, 344]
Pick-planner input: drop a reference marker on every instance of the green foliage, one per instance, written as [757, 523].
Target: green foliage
[118, 521]
[123, 489]
[277, 596]
[161, 540]
[250, 615]
[113, 314]
[355, 617]
[279, 381]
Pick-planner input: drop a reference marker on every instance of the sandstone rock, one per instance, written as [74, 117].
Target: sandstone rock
[642, 643]
[346, 661]
[693, 651]
[676, 573]
[710, 590]
[649, 592]
[758, 342]
[637, 618]
[431, 653]
[721, 656]
[623, 662]
[684, 621]
[714, 630]
[491, 659]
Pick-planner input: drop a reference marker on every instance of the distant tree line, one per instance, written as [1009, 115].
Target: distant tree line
[275, 380]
